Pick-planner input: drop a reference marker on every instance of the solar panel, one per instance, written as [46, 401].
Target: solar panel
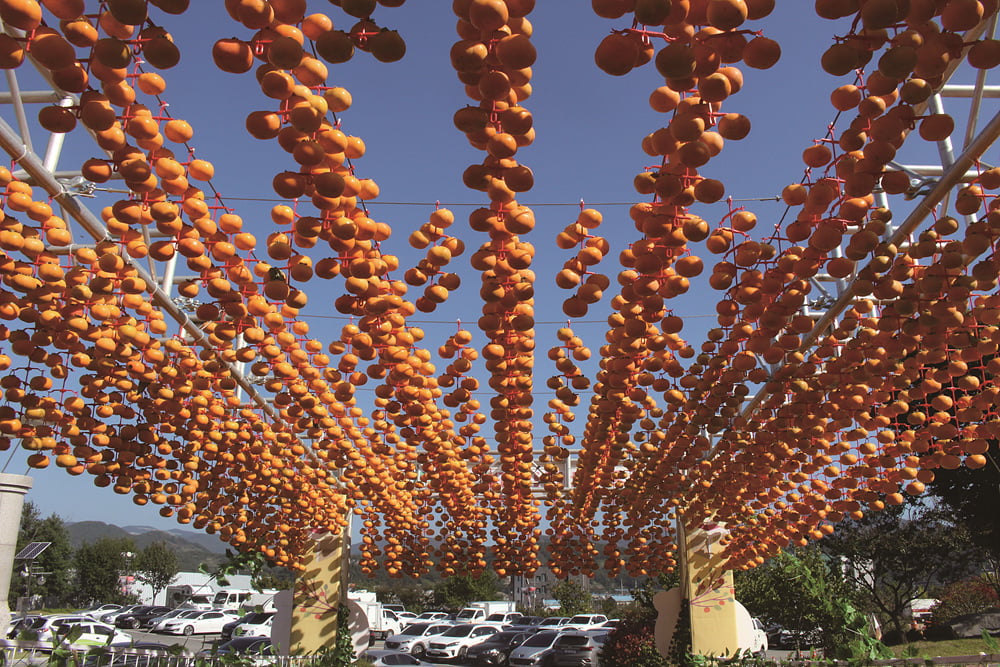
[31, 551]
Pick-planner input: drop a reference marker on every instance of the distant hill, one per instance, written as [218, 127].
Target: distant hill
[192, 548]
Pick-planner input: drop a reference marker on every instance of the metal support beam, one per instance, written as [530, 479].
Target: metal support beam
[12, 143]
[949, 179]
[930, 171]
[32, 97]
[966, 90]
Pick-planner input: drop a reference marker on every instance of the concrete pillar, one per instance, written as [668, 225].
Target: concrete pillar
[12, 490]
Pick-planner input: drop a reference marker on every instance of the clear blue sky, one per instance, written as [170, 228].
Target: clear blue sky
[589, 127]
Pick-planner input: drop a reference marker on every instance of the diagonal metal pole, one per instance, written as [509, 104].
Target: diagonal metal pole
[12, 143]
[949, 179]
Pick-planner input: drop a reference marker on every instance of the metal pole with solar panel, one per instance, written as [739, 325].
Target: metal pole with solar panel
[27, 557]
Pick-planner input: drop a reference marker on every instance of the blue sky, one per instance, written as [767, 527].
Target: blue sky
[589, 126]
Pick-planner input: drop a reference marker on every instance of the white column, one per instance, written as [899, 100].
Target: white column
[12, 490]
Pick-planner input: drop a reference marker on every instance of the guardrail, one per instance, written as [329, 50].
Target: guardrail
[978, 660]
[33, 654]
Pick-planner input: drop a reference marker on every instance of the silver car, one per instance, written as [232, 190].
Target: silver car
[415, 637]
[578, 649]
[535, 651]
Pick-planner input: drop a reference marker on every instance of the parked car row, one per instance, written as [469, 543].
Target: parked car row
[527, 641]
[103, 625]
[67, 629]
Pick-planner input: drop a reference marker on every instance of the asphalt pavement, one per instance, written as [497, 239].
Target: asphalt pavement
[196, 643]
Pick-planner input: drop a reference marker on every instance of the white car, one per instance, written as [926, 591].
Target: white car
[406, 616]
[758, 642]
[202, 623]
[584, 622]
[262, 628]
[415, 637]
[504, 618]
[92, 633]
[456, 640]
[160, 622]
[438, 616]
[98, 611]
[45, 629]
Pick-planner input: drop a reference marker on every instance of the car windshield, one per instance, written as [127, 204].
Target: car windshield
[458, 631]
[255, 617]
[552, 621]
[415, 629]
[581, 619]
[503, 638]
[573, 640]
[541, 639]
[240, 644]
[496, 617]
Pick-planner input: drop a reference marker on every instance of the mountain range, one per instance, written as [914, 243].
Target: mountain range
[193, 548]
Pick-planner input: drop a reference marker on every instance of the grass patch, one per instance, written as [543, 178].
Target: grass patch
[925, 649]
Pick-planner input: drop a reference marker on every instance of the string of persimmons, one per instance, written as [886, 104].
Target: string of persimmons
[851, 417]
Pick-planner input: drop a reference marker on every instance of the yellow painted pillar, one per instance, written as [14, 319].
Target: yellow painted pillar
[710, 592]
[319, 590]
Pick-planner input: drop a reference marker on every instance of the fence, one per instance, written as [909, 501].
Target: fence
[25, 654]
[979, 660]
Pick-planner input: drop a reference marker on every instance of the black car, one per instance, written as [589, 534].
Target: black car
[525, 624]
[141, 617]
[140, 654]
[495, 649]
[242, 646]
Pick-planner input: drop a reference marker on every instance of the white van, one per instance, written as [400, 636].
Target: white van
[231, 598]
[199, 601]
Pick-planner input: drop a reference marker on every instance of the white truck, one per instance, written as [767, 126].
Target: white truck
[477, 612]
[244, 599]
[382, 622]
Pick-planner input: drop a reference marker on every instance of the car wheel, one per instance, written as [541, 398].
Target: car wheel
[418, 651]
[134, 623]
[188, 630]
[462, 652]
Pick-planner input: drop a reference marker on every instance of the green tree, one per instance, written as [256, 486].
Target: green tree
[766, 590]
[972, 497]
[963, 597]
[643, 594]
[100, 567]
[573, 599]
[898, 554]
[156, 566]
[824, 601]
[54, 565]
[410, 595]
[609, 607]
[631, 644]
[457, 592]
